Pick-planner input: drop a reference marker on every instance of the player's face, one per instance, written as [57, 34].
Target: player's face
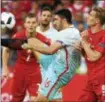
[45, 17]
[91, 19]
[30, 24]
[57, 22]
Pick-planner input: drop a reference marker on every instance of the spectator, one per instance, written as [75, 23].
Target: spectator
[35, 8]
[79, 21]
[100, 3]
[78, 6]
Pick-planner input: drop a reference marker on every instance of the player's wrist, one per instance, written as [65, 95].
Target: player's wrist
[85, 44]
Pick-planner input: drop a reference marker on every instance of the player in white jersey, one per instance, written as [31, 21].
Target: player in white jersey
[62, 69]
[47, 30]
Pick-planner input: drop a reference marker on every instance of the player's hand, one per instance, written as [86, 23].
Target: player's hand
[5, 73]
[84, 36]
[26, 46]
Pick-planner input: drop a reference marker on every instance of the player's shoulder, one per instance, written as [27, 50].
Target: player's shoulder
[52, 29]
[70, 31]
[75, 30]
[103, 32]
[19, 34]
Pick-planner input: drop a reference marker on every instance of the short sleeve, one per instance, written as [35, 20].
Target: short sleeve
[44, 39]
[101, 46]
[14, 36]
[19, 35]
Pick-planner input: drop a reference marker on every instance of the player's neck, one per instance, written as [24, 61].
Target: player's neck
[96, 28]
[33, 34]
[67, 26]
[44, 28]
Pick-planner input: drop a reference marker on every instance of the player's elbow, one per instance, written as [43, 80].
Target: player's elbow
[6, 49]
[95, 56]
[52, 51]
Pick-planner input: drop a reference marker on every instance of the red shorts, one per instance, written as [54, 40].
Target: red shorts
[26, 78]
[94, 91]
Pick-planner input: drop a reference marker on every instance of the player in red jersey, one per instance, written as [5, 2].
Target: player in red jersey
[26, 70]
[93, 44]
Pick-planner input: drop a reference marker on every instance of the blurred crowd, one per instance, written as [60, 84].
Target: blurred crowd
[79, 9]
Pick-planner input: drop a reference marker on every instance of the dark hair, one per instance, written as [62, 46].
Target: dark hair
[65, 13]
[100, 13]
[30, 15]
[46, 8]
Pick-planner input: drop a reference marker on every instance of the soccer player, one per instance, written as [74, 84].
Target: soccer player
[26, 70]
[47, 30]
[62, 69]
[93, 44]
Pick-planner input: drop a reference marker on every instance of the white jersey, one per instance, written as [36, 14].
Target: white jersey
[48, 33]
[67, 58]
[45, 60]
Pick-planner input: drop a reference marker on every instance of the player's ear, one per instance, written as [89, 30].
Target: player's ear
[25, 24]
[64, 20]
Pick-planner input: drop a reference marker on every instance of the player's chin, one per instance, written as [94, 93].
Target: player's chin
[31, 30]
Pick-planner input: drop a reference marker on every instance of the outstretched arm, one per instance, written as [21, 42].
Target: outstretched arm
[35, 45]
[14, 44]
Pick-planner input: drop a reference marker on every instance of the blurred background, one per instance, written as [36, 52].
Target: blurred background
[79, 9]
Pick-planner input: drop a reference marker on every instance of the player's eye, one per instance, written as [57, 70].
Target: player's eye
[44, 15]
[34, 22]
[28, 22]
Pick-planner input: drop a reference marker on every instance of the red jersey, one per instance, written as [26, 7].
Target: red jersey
[26, 73]
[22, 54]
[97, 42]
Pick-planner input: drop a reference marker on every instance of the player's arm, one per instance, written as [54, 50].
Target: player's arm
[92, 55]
[14, 44]
[5, 58]
[95, 54]
[45, 50]
[77, 45]
[61, 42]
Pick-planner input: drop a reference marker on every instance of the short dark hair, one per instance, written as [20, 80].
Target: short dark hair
[65, 13]
[46, 8]
[30, 15]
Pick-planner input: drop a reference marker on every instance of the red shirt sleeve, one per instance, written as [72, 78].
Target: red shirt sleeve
[101, 46]
[14, 36]
[43, 39]
[19, 35]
